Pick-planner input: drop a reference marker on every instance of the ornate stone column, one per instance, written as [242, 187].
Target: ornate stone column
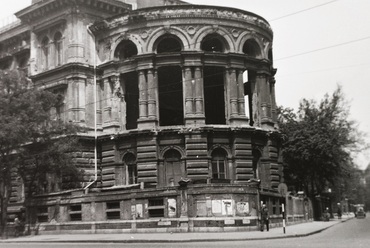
[148, 99]
[264, 89]
[233, 93]
[235, 89]
[194, 96]
[241, 101]
[199, 93]
[118, 116]
[143, 98]
[152, 93]
[70, 100]
[76, 103]
[78, 33]
[52, 62]
[107, 109]
[188, 86]
[273, 100]
[255, 100]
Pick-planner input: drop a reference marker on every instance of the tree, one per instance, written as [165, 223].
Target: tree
[318, 142]
[33, 144]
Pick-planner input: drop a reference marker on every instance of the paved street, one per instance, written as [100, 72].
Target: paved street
[352, 233]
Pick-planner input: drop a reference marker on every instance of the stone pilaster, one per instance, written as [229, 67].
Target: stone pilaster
[199, 93]
[52, 61]
[236, 98]
[152, 95]
[76, 102]
[241, 102]
[77, 31]
[148, 98]
[194, 96]
[143, 98]
[273, 100]
[189, 83]
[264, 88]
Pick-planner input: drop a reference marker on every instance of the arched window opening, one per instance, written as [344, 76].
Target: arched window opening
[131, 168]
[213, 43]
[256, 160]
[252, 49]
[174, 169]
[169, 44]
[126, 49]
[171, 110]
[58, 42]
[45, 53]
[127, 173]
[219, 164]
[214, 95]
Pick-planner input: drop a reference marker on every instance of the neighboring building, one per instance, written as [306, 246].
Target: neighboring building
[184, 105]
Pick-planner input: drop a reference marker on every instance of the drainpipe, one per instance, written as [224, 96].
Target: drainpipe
[95, 117]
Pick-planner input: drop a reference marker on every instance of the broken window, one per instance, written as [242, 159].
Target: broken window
[214, 96]
[132, 99]
[126, 49]
[171, 110]
[173, 167]
[213, 43]
[219, 164]
[251, 48]
[169, 44]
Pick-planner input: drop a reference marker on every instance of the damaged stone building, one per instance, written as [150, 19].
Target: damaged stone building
[179, 103]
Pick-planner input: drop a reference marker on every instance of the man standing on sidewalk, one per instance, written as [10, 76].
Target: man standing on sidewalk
[264, 218]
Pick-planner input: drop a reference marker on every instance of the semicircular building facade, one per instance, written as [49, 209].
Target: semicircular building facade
[179, 104]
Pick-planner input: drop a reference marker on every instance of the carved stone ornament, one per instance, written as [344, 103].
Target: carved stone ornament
[235, 33]
[144, 35]
[191, 30]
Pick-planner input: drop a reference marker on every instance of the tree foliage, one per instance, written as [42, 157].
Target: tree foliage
[318, 142]
[33, 144]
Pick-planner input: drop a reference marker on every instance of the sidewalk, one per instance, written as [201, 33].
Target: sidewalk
[292, 231]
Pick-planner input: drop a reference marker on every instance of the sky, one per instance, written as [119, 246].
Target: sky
[318, 45]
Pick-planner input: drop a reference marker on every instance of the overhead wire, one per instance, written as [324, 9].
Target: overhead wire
[303, 10]
[323, 48]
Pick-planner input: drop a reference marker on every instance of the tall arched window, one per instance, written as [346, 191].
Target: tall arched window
[219, 164]
[126, 174]
[58, 42]
[170, 94]
[45, 53]
[174, 169]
